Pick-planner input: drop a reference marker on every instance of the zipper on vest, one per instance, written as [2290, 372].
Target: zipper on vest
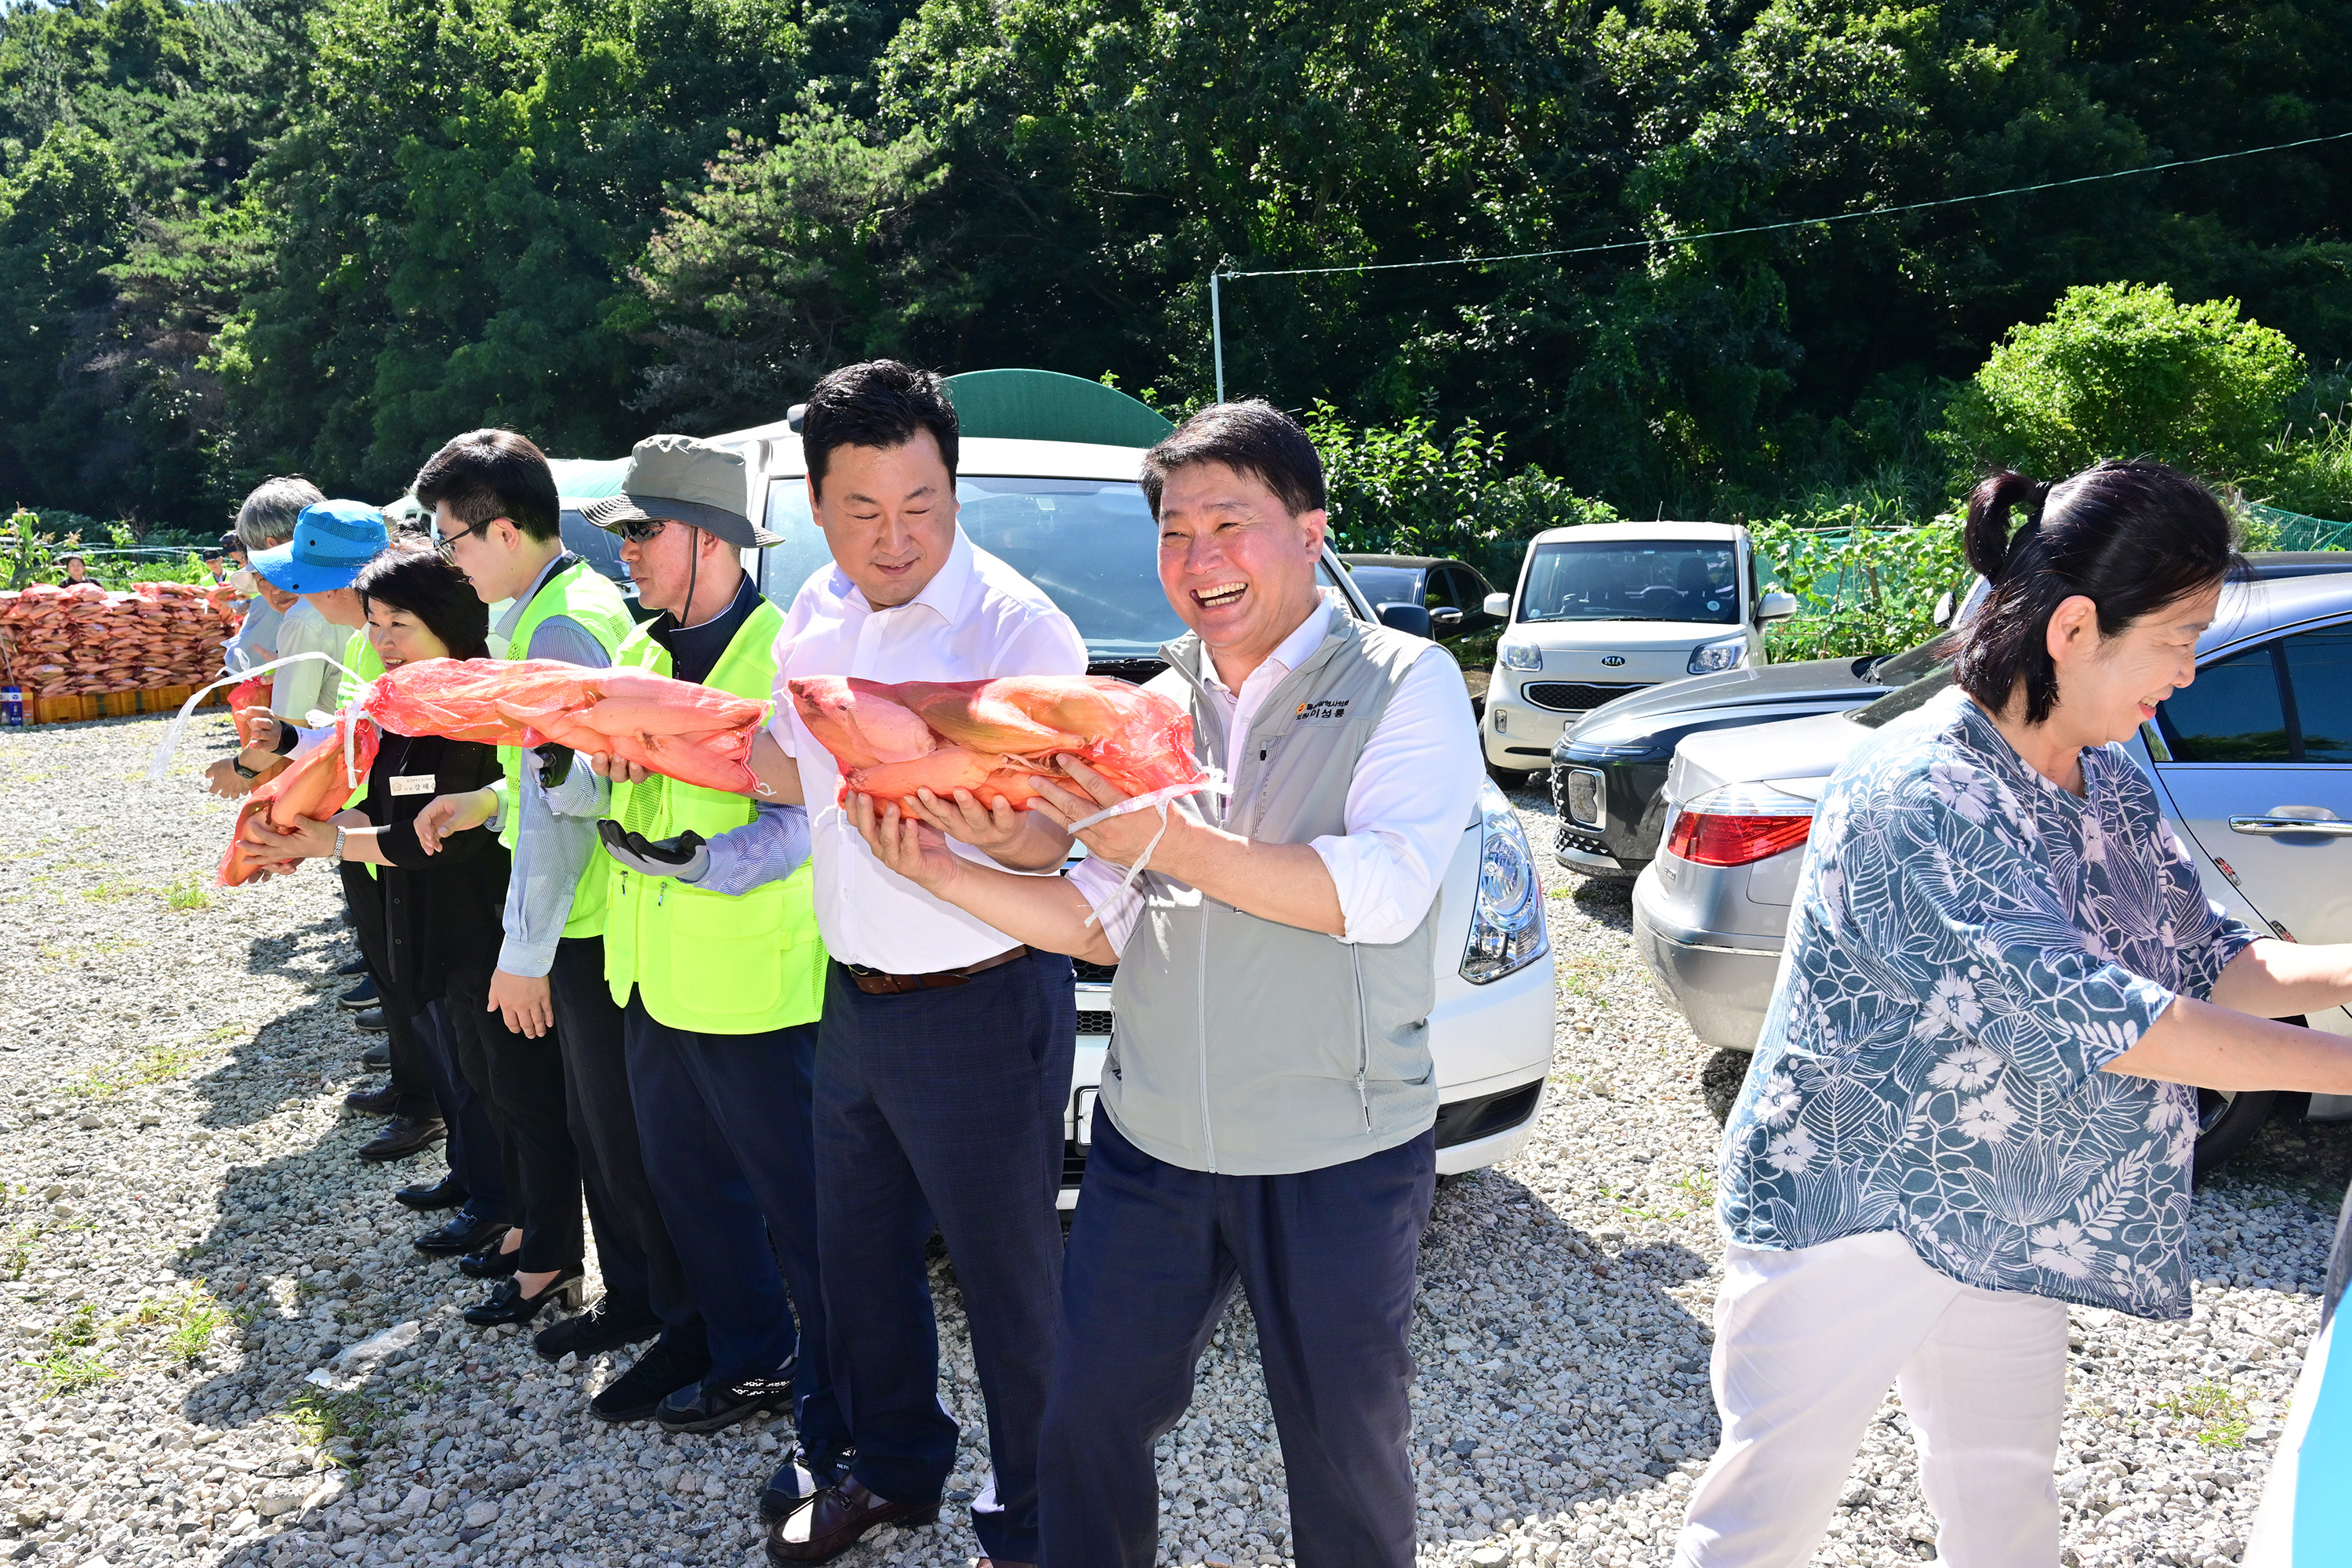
[1201, 1022]
[1363, 1040]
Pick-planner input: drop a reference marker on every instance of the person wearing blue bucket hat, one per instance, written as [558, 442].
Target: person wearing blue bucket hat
[332, 540]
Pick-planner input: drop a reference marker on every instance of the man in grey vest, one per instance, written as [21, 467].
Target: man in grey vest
[1267, 1104]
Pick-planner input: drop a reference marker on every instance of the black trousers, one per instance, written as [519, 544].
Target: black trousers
[522, 1081]
[730, 1140]
[410, 1075]
[945, 1103]
[1327, 1258]
[474, 1155]
[643, 1280]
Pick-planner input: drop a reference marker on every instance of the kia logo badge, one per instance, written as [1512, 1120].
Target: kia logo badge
[1612, 660]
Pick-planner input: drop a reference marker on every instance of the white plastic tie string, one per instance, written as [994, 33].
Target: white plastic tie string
[171, 741]
[1158, 800]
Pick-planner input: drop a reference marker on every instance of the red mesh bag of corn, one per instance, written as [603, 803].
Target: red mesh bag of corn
[315, 785]
[688, 732]
[996, 737]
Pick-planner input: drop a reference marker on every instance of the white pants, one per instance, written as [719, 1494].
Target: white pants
[1805, 1344]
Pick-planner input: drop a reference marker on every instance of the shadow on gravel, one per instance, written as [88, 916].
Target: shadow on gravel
[294, 1215]
[1719, 1078]
[1580, 1370]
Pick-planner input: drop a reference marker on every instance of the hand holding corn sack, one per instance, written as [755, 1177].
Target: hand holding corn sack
[675, 728]
[315, 785]
[995, 737]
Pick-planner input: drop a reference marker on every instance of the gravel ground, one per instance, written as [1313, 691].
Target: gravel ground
[185, 1236]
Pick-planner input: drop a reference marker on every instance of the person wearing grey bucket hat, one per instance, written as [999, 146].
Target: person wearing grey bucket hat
[711, 948]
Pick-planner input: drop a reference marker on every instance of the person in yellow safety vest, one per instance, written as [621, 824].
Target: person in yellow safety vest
[711, 946]
[498, 516]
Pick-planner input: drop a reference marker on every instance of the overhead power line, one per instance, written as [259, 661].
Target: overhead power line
[1216, 323]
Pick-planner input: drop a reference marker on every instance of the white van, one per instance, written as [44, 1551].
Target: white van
[1069, 516]
[1612, 607]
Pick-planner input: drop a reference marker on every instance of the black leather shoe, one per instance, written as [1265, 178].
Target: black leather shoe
[380, 1100]
[508, 1304]
[463, 1233]
[799, 1478]
[666, 1368]
[712, 1408]
[377, 1056]
[594, 1332]
[445, 1194]
[834, 1520]
[351, 967]
[372, 1022]
[364, 994]
[402, 1136]
[489, 1263]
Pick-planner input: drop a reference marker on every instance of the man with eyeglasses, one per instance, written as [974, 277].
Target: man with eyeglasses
[497, 518]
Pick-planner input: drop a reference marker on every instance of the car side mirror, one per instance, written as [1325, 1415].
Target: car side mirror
[1498, 605]
[1446, 620]
[1775, 605]
[1411, 618]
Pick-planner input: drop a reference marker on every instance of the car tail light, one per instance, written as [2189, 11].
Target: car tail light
[1738, 826]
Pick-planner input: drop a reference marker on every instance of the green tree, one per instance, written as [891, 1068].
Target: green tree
[791, 259]
[2124, 370]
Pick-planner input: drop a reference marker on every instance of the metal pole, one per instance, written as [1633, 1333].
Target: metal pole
[1217, 332]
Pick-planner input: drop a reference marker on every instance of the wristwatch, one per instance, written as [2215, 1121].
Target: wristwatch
[242, 770]
[339, 844]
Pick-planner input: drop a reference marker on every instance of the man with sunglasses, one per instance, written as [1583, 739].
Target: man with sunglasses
[711, 947]
[497, 518]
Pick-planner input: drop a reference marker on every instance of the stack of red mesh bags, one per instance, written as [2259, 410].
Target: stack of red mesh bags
[57, 641]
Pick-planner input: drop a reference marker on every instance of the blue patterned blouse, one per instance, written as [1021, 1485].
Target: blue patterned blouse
[1970, 943]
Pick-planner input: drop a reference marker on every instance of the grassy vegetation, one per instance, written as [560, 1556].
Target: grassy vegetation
[187, 893]
[73, 1361]
[338, 1424]
[157, 1064]
[2221, 1414]
[192, 1318]
[17, 1248]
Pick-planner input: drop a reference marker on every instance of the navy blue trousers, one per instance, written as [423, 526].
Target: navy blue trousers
[1326, 1258]
[729, 1133]
[473, 1147]
[643, 1280]
[945, 1103]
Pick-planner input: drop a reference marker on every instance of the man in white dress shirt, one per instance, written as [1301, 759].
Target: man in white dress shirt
[943, 1057]
[1268, 1105]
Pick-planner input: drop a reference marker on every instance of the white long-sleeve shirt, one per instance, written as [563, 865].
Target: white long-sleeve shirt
[1415, 790]
[975, 620]
[296, 689]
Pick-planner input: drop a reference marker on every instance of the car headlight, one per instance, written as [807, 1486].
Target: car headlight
[1520, 656]
[1708, 657]
[1507, 924]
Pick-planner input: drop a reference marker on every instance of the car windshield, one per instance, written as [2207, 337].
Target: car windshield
[1387, 585]
[1632, 580]
[1089, 543]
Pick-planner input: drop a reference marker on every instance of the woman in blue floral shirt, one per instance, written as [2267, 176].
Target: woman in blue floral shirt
[1968, 1104]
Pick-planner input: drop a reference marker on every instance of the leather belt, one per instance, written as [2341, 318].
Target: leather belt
[877, 983]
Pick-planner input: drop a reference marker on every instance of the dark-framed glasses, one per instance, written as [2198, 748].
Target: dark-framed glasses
[446, 543]
[642, 530]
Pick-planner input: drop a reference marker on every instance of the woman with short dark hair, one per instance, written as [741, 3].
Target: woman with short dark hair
[1970, 1103]
[441, 931]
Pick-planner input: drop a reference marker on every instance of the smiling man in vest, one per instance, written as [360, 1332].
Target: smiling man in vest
[1267, 1104]
[497, 516]
[711, 947]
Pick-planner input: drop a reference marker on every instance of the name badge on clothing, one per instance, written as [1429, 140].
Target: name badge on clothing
[413, 784]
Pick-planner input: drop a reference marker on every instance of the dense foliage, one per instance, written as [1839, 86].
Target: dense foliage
[246, 235]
